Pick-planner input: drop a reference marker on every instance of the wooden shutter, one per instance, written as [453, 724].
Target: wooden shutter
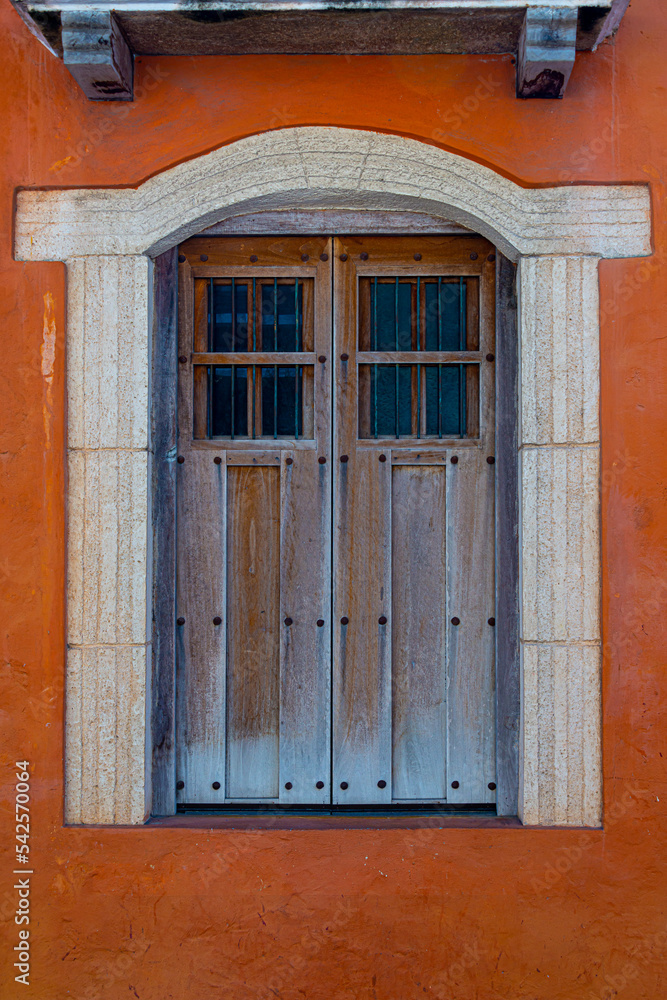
[413, 603]
[253, 521]
[369, 678]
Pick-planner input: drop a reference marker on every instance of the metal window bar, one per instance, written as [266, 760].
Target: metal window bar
[254, 347]
[419, 367]
[209, 370]
[233, 371]
[275, 367]
[296, 368]
[462, 347]
[396, 377]
[375, 347]
[439, 366]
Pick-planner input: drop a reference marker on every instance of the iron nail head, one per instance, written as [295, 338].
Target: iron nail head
[456, 621]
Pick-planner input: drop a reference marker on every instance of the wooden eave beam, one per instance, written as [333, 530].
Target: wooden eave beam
[97, 39]
[547, 50]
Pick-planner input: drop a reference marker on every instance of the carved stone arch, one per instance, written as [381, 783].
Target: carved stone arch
[108, 238]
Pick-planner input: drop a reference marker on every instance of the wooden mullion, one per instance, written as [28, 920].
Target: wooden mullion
[244, 358]
[508, 697]
[417, 357]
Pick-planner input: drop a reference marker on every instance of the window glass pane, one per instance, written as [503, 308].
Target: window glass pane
[282, 316]
[391, 315]
[282, 395]
[418, 401]
[229, 401]
[260, 401]
[229, 326]
[445, 309]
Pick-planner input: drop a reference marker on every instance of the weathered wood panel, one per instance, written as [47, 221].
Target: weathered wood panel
[305, 654]
[508, 698]
[362, 578]
[253, 631]
[471, 589]
[419, 667]
[470, 641]
[200, 602]
[163, 437]
[305, 579]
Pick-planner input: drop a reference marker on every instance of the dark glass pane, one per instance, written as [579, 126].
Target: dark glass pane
[229, 384]
[444, 384]
[386, 333]
[388, 419]
[444, 402]
[282, 317]
[282, 401]
[445, 327]
[230, 318]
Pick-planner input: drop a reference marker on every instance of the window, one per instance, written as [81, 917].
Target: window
[335, 522]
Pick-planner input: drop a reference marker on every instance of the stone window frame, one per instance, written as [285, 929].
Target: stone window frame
[108, 239]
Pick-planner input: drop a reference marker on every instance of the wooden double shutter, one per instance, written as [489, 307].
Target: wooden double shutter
[335, 525]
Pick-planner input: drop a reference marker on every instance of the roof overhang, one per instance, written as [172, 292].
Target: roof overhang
[98, 40]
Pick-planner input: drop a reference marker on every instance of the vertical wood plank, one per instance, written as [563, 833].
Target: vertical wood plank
[470, 644]
[471, 590]
[254, 626]
[305, 649]
[507, 541]
[163, 474]
[362, 579]
[305, 579]
[419, 675]
[200, 598]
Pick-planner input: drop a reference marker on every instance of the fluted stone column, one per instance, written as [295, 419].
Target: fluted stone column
[560, 545]
[108, 574]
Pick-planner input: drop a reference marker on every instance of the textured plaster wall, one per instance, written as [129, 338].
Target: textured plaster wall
[163, 913]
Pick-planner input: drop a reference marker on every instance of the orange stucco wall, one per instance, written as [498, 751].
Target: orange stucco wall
[456, 914]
